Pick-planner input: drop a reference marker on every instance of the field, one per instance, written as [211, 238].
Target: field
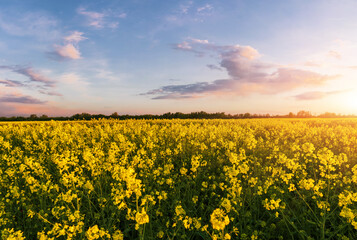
[179, 179]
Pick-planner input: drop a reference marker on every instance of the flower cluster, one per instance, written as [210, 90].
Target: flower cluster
[179, 179]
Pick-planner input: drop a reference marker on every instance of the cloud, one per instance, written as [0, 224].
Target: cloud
[334, 54]
[204, 9]
[11, 83]
[68, 51]
[193, 90]
[105, 19]
[187, 46]
[50, 93]
[195, 40]
[186, 13]
[315, 95]
[38, 24]
[34, 76]
[183, 46]
[20, 99]
[75, 37]
[247, 74]
[36, 79]
[214, 67]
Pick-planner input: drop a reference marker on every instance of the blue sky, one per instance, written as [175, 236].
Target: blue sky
[138, 57]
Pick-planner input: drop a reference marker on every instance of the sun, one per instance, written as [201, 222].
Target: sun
[349, 101]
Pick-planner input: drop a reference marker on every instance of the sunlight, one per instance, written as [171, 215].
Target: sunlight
[349, 100]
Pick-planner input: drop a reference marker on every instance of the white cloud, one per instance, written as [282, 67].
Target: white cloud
[195, 40]
[75, 37]
[104, 19]
[204, 8]
[184, 46]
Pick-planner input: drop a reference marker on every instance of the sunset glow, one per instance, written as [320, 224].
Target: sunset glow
[151, 57]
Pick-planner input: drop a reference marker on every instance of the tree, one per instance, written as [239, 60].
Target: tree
[33, 117]
[304, 114]
[114, 115]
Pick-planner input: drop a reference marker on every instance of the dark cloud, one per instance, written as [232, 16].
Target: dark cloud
[20, 99]
[247, 74]
[190, 90]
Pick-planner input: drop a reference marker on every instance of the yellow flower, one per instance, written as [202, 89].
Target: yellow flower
[160, 234]
[118, 235]
[219, 219]
[183, 171]
[226, 204]
[141, 217]
[227, 236]
[96, 233]
[180, 211]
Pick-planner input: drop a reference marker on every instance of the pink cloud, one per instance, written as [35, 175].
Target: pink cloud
[68, 51]
[247, 74]
[315, 95]
[184, 46]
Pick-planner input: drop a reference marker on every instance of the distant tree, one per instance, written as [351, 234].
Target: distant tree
[246, 115]
[43, 117]
[328, 115]
[78, 116]
[291, 115]
[304, 114]
[114, 115]
[33, 117]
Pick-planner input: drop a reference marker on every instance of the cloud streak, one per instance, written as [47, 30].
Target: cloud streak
[315, 95]
[75, 37]
[34, 76]
[247, 74]
[44, 84]
[11, 83]
[20, 99]
[99, 20]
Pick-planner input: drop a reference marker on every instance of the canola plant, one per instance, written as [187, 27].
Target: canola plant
[179, 179]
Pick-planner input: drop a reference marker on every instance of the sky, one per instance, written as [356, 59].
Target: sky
[155, 56]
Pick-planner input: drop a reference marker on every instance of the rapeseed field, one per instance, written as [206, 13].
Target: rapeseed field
[179, 179]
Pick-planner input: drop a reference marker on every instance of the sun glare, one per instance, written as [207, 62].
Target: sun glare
[349, 100]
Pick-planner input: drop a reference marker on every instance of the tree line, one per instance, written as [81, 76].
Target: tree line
[177, 115]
